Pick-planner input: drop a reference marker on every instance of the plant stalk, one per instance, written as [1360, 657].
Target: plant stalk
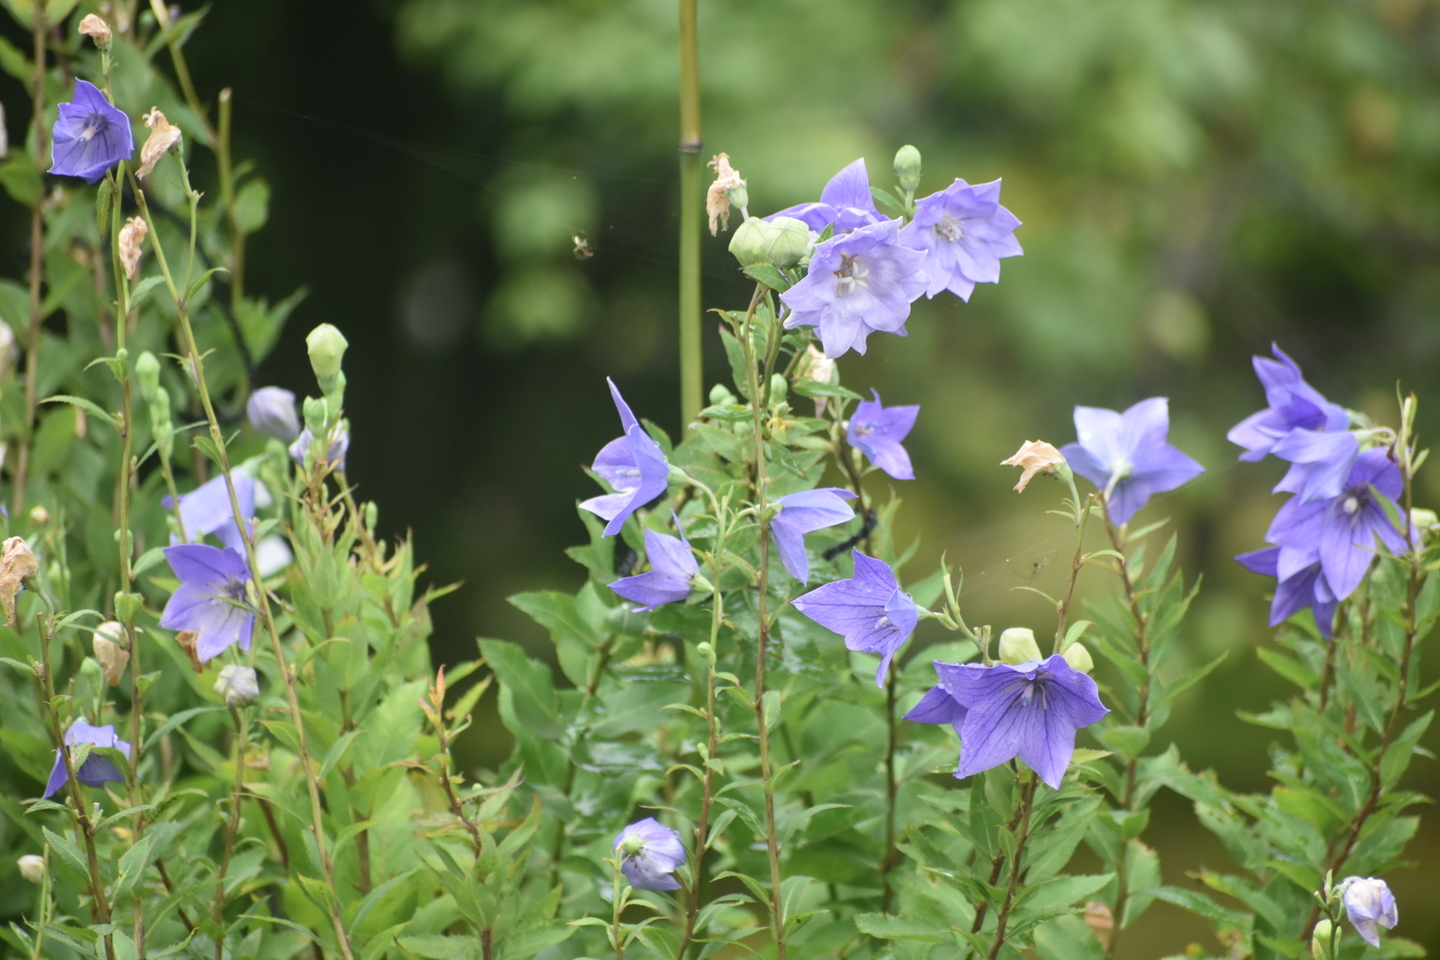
[691, 361]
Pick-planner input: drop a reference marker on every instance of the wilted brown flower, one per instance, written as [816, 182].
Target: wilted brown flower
[1100, 921]
[96, 29]
[162, 137]
[132, 241]
[17, 564]
[1035, 456]
[717, 198]
[819, 368]
[110, 650]
[187, 640]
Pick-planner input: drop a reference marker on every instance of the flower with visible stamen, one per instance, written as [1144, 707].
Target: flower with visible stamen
[877, 430]
[964, 233]
[650, 854]
[1127, 456]
[90, 135]
[673, 572]
[213, 599]
[869, 610]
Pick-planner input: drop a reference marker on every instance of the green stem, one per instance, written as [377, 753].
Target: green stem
[892, 789]
[232, 828]
[1027, 802]
[617, 906]
[37, 261]
[1062, 609]
[691, 364]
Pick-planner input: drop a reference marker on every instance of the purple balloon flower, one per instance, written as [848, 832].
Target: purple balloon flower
[802, 513]
[937, 706]
[652, 852]
[1126, 455]
[964, 233]
[876, 431]
[272, 411]
[846, 202]
[858, 282]
[634, 465]
[1368, 904]
[1342, 530]
[869, 610]
[96, 770]
[212, 598]
[1301, 426]
[339, 446]
[1301, 585]
[90, 135]
[672, 565]
[207, 509]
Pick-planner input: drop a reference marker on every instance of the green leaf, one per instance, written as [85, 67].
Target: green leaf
[88, 405]
[735, 353]
[530, 685]
[252, 205]
[768, 275]
[68, 851]
[884, 198]
[20, 178]
[557, 613]
[132, 867]
[900, 928]
[1292, 670]
[104, 194]
[829, 391]
[439, 947]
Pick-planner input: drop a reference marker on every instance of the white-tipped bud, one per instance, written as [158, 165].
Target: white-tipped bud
[110, 649]
[1017, 645]
[238, 685]
[272, 411]
[163, 136]
[1424, 521]
[32, 867]
[39, 515]
[1078, 656]
[96, 29]
[132, 245]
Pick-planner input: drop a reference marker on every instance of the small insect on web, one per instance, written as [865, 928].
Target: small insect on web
[582, 250]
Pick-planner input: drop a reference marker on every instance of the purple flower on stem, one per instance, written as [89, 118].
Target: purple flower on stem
[802, 513]
[207, 509]
[652, 853]
[858, 283]
[272, 411]
[339, 446]
[212, 599]
[869, 610]
[1302, 585]
[876, 431]
[1030, 710]
[1126, 455]
[1368, 904]
[846, 202]
[937, 706]
[1343, 530]
[673, 568]
[964, 233]
[90, 135]
[634, 465]
[97, 769]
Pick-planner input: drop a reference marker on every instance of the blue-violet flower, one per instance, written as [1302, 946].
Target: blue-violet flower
[876, 431]
[1126, 455]
[964, 233]
[672, 570]
[651, 853]
[869, 610]
[207, 509]
[1301, 585]
[339, 446]
[846, 202]
[1368, 904]
[272, 411]
[212, 599]
[96, 770]
[633, 465]
[802, 513]
[90, 135]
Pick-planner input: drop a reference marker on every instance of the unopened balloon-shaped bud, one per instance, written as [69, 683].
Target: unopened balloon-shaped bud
[1369, 905]
[720, 395]
[779, 389]
[96, 29]
[238, 685]
[39, 515]
[750, 241]
[326, 346]
[272, 411]
[1424, 521]
[32, 867]
[738, 195]
[110, 649]
[1017, 645]
[316, 412]
[789, 242]
[1078, 656]
[907, 167]
[147, 371]
[707, 653]
[1321, 939]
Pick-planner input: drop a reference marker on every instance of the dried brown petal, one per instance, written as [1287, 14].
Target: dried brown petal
[162, 137]
[1100, 921]
[1035, 456]
[132, 242]
[110, 650]
[187, 640]
[717, 198]
[96, 29]
[17, 564]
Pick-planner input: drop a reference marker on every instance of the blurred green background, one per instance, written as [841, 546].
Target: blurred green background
[1197, 178]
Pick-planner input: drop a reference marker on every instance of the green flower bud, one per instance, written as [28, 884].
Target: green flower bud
[1017, 645]
[778, 388]
[315, 413]
[739, 197]
[1320, 939]
[700, 587]
[750, 241]
[147, 371]
[789, 241]
[1078, 656]
[907, 167]
[720, 395]
[326, 346]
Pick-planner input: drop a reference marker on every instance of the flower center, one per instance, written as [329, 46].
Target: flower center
[93, 124]
[852, 273]
[864, 429]
[949, 229]
[884, 624]
[1350, 504]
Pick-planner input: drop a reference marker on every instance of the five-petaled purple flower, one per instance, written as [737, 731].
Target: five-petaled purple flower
[651, 853]
[869, 610]
[964, 232]
[634, 465]
[1301, 426]
[212, 599]
[96, 770]
[90, 135]
[937, 706]
[1030, 710]
[859, 282]
[1342, 531]
[272, 411]
[876, 431]
[1368, 904]
[207, 509]
[1300, 584]
[673, 567]
[846, 202]
[802, 513]
[1126, 455]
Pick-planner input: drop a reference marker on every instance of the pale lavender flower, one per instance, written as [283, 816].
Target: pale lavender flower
[207, 509]
[846, 202]
[964, 233]
[339, 446]
[272, 411]
[90, 135]
[1030, 710]
[212, 599]
[1126, 455]
[1368, 904]
[633, 465]
[802, 513]
[651, 853]
[869, 610]
[673, 568]
[1301, 584]
[876, 431]
[97, 769]
[858, 283]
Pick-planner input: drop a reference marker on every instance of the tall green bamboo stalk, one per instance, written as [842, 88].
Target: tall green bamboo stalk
[691, 367]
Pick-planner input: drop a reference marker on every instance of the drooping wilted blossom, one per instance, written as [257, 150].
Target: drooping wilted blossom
[1369, 904]
[90, 135]
[1342, 531]
[964, 233]
[1030, 710]
[869, 610]
[673, 569]
[339, 446]
[272, 411]
[1301, 585]
[207, 509]
[802, 513]
[1034, 456]
[846, 202]
[634, 465]
[859, 282]
[97, 770]
[212, 599]
[939, 707]
[876, 431]
[650, 854]
[1127, 456]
